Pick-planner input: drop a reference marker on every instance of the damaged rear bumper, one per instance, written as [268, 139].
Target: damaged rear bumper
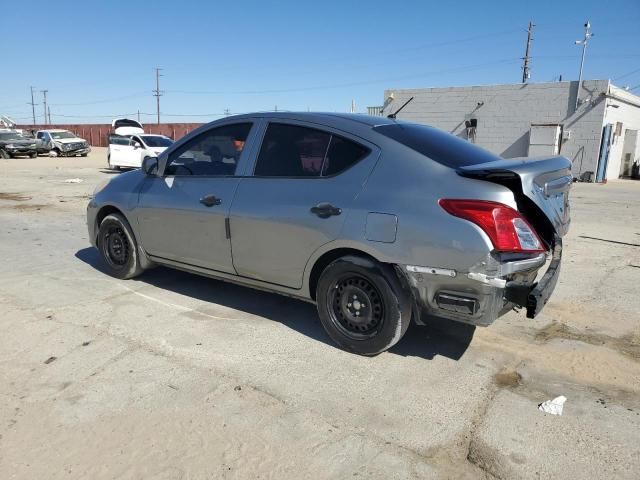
[535, 297]
[481, 296]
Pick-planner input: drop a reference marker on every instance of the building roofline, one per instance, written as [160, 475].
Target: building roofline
[536, 84]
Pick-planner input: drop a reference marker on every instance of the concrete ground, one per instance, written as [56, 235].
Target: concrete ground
[174, 376]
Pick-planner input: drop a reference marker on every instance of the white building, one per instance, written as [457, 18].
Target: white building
[533, 119]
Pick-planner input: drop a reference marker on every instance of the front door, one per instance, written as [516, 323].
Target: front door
[183, 215]
[303, 184]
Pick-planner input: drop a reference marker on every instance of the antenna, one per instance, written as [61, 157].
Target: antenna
[394, 114]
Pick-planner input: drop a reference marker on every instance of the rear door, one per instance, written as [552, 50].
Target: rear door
[182, 215]
[304, 181]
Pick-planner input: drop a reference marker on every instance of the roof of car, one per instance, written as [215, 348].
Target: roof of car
[323, 117]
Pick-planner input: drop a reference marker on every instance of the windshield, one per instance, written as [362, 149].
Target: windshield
[11, 136]
[438, 145]
[61, 135]
[156, 141]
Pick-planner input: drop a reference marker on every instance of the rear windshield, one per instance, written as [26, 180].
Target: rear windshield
[440, 146]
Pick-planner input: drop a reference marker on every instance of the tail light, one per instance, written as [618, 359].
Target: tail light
[507, 229]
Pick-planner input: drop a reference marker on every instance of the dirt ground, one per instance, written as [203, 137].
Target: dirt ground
[174, 376]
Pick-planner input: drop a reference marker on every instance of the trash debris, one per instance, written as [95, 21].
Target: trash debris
[73, 180]
[237, 388]
[50, 359]
[554, 407]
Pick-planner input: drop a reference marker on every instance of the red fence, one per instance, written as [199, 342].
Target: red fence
[96, 134]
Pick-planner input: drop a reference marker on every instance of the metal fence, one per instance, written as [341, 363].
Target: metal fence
[96, 134]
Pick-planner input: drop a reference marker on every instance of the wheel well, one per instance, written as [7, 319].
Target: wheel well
[103, 212]
[324, 261]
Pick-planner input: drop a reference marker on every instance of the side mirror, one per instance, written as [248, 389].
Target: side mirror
[136, 145]
[150, 165]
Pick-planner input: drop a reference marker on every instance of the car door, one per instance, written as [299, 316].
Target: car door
[183, 214]
[304, 181]
[120, 150]
[139, 151]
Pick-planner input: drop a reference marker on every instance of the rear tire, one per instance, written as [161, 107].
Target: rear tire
[33, 155]
[118, 247]
[362, 305]
[4, 155]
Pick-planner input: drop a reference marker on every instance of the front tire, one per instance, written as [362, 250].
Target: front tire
[362, 305]
[33, 155]
[118, 247]
[4, 155]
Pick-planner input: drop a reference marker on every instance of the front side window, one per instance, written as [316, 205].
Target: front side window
[213, 153]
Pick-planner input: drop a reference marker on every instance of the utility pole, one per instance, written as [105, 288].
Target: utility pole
[583, 42]
[138, 115]
[33, 106]
[526, 75]
[157, 93]
[49, 113]
[44, 93]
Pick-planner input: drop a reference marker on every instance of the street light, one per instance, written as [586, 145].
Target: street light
[583, 42]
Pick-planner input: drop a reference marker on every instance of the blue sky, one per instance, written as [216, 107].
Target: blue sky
[97, 59]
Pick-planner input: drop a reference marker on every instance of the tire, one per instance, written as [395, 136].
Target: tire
[4, 155]
[33, 155]
[362, 305]
[83, 154]
[118, 247]
[54, 153]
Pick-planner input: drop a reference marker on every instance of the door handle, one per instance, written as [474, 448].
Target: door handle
[325, 210]
[210, 200]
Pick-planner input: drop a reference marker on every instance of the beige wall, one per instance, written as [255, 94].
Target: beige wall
[507, 112]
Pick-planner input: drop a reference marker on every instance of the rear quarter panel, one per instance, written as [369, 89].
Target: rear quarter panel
[408, 185]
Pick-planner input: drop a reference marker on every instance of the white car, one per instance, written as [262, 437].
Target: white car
[61, 143]
[129, 144]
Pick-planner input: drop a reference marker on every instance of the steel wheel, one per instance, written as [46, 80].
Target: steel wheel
[115, 247]
[355, 307]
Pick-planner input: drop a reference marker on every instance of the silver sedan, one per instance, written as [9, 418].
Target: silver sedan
[375, 220]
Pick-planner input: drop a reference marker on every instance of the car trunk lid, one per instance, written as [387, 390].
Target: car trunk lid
[545, 182]
[126, 126]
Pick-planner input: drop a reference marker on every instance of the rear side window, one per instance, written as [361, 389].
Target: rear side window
[294, 151]
[439, 146]
[341, 155]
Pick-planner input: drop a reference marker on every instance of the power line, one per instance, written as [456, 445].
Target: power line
[105, 100]
[626, 74]
[344, 85]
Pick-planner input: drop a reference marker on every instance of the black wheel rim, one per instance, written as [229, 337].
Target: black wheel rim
[115, 246]
[355, 307]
